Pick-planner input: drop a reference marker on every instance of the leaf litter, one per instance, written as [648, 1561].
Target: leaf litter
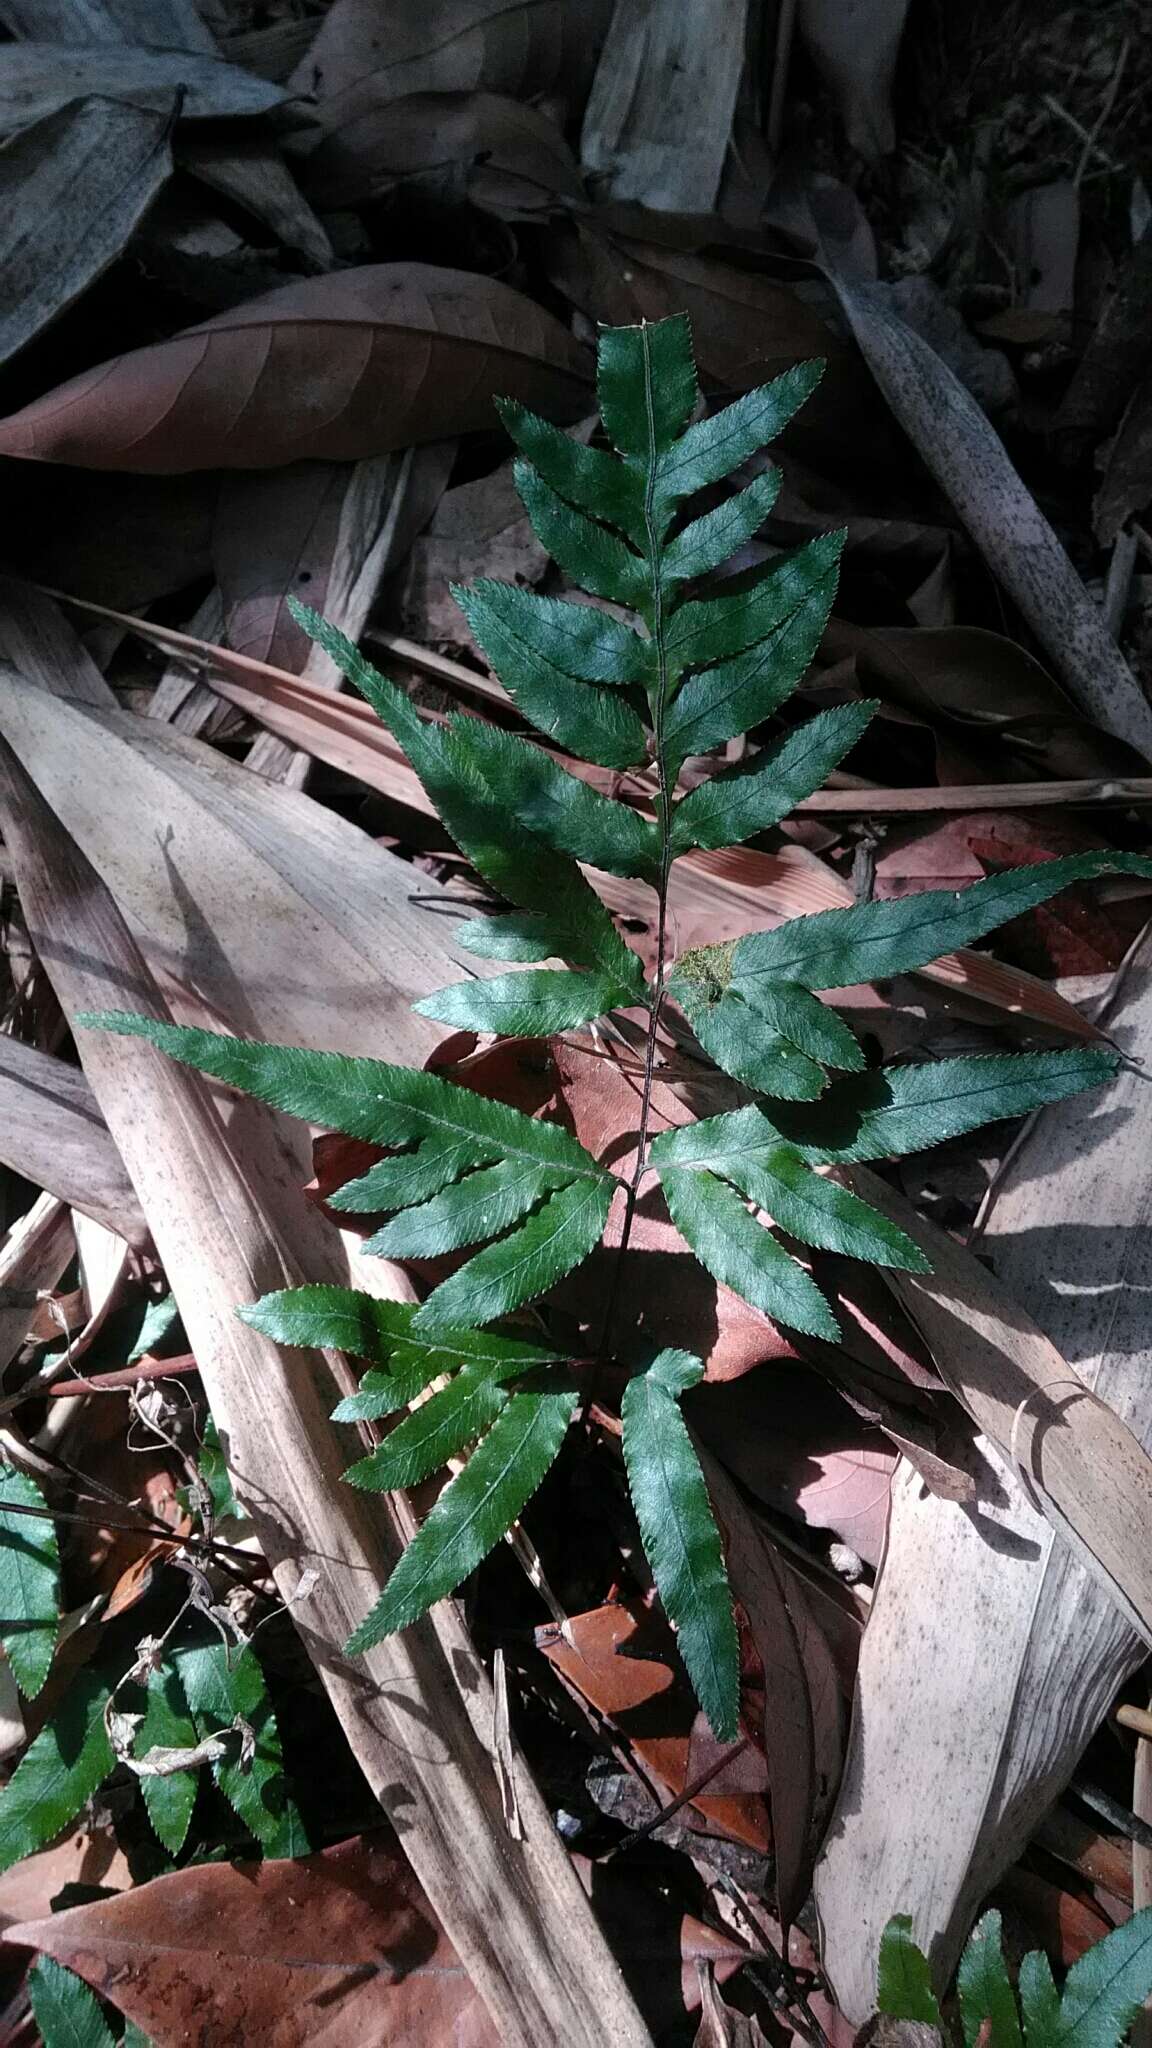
[440, 204]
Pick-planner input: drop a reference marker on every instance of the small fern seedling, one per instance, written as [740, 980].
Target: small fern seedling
[670, 670]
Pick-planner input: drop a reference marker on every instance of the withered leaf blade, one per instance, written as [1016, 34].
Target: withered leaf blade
[157, 24]
[511, 158]
[389, 354]
[52, 1132]
[39, 78]
[659, 114]
[397, 47]
[73, 187]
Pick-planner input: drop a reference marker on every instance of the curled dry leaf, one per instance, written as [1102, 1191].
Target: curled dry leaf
[396, 47]
[923, 1817]
[37, 79]
[249, 171]
[73, 187]
[508, 157]
[387, 355]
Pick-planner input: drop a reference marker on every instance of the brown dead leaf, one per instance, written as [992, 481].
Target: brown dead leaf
[397, 47]
[161, 24]
[621, 1659]
[52, 1132]
[333, 1948]
[478, 529]
[337, 367]
[721, 2026]
[509, 158]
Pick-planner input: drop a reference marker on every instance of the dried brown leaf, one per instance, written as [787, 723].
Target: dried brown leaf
[510, 158]
[37, 79]
[52, 1132]
[387, 355]
[854, 50]
[395, 47]
[162, 24]
[659, 115]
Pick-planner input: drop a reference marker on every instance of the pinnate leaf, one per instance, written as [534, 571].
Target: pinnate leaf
[894, 1110]
[739, 1251]
[712, 448]
[560, 809]
[1104, 1991]
[1039, 2000]
[986, 1993]
[589, 478]
[473, 1513]
[67, 2013]
[598, 724]
[555, 1238]
[754, 795]
[441, 1426]
[58, 1773]
[594, 558]
[365, 1098]
[708, 541]
[533, 1002]
[519, 935]
[904, 1981]
[681, 1540]
[722, 702]
[646, 384]
[711, 628]
[414, 1365]
[480, 1206]
[29, 1580]
[837, 948]
[332, 1318]
[579, 640]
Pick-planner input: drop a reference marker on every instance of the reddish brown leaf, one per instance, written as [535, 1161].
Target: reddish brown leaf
[622, 1660]
[338, 367]
[333, 1949]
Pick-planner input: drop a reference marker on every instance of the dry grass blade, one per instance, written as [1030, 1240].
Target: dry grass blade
[942, 1790]
[39, 78]
[969, 461]
[52, 1132]
[230, 1223]
[165, 24]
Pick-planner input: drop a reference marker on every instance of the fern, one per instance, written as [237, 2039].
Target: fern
[672, 669]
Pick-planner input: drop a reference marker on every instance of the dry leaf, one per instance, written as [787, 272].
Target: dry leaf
[228, 1220]
[1126, 486]
[659, 115]
[510, 158]
[73, 187]
[721, 2026]
[396, 47]
[33, 1257]
[333, 1948]
[161, 24]
[340, 367]
[970, 463]
[251, 173]
[854, 47]
[935, 1807]
[478, 529]
[52, 1132]
[37, 79]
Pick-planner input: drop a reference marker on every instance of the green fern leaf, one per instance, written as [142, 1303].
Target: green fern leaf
[681, 1540]
[904, 1980]
[516, 1268]
[415, 1365]
[1105, 1989]
[895, 1110]
[594, 558]
[169, 1796]
[531, 1003]
[580, 641]
[522, 936]
[563, 811]
[478, 1207]
[986, 1994]
[1039, 2001]
[754, 795]
[474, 1511]
[221, 1687]
[589, 478]
[440, 1428]
[709, 629]
[708, 541]
[871, 941]
[722, 702]
[712, 448]
[333, 1319]
[598, 724]
[646, 385]
[739, 1251]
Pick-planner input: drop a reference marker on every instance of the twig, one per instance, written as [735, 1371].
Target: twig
[682, 1799]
